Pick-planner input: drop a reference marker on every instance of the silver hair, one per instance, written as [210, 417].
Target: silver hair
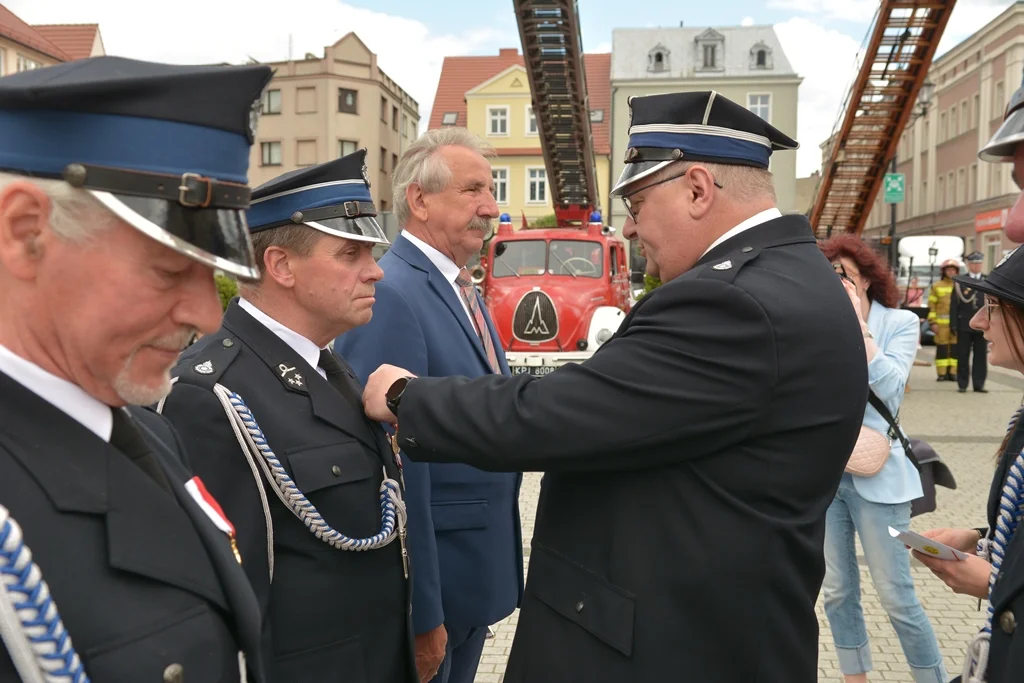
[741, 182]
[423, 165]
[75, 215]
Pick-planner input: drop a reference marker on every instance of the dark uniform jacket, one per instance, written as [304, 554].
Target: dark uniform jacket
[331, 615]
[146, 585]
[961, 312]
[689, 465]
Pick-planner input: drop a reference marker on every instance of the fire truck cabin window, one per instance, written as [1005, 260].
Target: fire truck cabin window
[519, 257]
[576, 257]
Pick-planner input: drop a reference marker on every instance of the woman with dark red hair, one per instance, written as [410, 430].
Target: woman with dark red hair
[868, 505]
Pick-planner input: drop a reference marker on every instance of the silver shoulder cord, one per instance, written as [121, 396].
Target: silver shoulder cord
[30, 625]
[256, 450]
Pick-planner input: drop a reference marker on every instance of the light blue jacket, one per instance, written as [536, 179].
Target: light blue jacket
[896, 333]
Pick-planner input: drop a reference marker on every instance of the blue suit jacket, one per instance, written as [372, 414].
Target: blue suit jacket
[464, 535]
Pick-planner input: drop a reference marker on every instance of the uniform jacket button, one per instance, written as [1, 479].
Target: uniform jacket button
[579, 606]
[1008, 622]
[336, 471]
[174, 673]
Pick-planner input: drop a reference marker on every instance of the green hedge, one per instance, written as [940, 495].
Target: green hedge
[227, 288]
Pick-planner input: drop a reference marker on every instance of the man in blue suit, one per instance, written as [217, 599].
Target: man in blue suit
[464, 535]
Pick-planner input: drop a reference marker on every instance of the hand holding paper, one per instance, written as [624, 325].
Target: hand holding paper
[928, 546]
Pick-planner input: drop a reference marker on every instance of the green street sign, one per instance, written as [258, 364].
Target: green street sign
[894, 188]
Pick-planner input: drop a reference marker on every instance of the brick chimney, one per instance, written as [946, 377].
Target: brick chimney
[508, 52]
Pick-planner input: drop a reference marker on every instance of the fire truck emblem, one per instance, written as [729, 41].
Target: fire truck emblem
[535, 319]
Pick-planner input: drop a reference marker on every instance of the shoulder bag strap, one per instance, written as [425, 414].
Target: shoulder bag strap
[894, 427]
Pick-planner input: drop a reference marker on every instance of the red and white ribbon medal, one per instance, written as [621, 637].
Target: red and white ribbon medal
[209, 505]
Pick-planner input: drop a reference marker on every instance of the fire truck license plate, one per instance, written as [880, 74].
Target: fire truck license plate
[536, 370]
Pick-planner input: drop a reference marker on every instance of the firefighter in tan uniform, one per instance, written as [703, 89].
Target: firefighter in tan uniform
[939, 301]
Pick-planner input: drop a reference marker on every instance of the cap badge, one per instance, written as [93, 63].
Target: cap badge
[204, 368]
[254, 118]
[724, 265]
[366, 175]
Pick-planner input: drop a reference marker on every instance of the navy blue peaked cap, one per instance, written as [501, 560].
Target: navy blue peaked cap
[164, 147]
[1006, 281]
[695, 126]
[333, 197]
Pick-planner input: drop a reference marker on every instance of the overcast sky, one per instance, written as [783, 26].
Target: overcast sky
[821, 38]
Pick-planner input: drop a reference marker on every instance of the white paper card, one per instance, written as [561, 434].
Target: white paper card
[928, 546]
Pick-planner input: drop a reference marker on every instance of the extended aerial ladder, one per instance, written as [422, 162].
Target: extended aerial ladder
[553, 54]
[903, 40]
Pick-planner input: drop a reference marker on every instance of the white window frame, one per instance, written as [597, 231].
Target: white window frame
[266, 102]
[341, 147]
[761, 94]
[490, 121]
[531, 116]
[529, 181]
[445, 118]
[280, 153]
[508, 177]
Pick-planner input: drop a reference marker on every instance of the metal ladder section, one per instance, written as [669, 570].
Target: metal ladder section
[903, 41]
[553, 54]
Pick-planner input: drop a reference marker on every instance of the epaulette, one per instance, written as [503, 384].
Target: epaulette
[203, 364]
[726, 268]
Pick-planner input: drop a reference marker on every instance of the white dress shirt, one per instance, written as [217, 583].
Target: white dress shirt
[448, 269]
[71, 399]
[309, 351]
[752, 222]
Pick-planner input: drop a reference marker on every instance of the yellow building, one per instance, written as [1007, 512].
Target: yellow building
[490, 96]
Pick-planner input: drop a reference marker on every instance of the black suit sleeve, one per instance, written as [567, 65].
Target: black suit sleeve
[695, 365]
[216, 457]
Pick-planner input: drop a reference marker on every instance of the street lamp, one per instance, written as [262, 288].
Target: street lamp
[924, 102]
[933, 253]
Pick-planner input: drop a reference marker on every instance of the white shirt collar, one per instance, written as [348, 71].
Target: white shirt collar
[753, 221]
[440, 261]
[309, 351]
[93, 414]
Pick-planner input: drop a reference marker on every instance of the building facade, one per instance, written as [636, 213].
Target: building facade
[24, 47]
[320, 108]
[744, 63]
[490, 96]
[948, 190]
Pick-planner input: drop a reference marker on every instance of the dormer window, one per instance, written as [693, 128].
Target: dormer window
[760, 56]
[449, 118]
[710, 51]
[657, 59]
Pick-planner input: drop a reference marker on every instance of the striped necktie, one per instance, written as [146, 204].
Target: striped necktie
[469, 296]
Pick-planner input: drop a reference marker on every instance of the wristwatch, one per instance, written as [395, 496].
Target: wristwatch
[394, 394]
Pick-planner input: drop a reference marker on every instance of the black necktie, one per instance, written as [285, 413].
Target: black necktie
[339, 379]
[126, 438]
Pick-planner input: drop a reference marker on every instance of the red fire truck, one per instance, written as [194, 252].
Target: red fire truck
[556, 294]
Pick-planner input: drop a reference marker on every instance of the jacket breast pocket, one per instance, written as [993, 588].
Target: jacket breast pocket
[194, 642]
[318, 467]
[459, 515]
[581, 596]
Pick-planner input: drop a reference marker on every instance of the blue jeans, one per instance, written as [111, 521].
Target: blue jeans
[889, 564]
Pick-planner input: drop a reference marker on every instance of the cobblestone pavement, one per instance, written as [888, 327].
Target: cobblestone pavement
[965, 429]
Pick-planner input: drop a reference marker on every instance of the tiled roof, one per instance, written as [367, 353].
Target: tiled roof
[17, 30]
[460, 74]
[76, 40]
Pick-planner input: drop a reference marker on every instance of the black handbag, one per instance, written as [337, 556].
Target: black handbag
[929, 465]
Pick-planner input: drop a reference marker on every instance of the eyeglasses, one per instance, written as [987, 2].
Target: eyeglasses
[634, 211]
[1016, 180]
[991, 304]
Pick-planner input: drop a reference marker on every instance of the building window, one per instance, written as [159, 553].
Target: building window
[498, 120]
[923, 208]
[500, 177]
[596, 115]
[531, 121]
[964, 117]
[346, 147]
[997, 180]
[760, 56]
[384, 109]
[383, 160]
[1000, 101]
[394, 118]
[348, 101]
[940, 196]
[976, 111]
[394, 162]
[271, 103]
[760, 104]
[657, 58]
[26, 64]
[950, 191]
[943, 128]
[961, 187]
[405, 129]
[271, 153]
[537, 192]
[305, 152]
[449, 118]
[709, 56]
[305, 100]
[383, 206]
[954, 128]
[973, 189]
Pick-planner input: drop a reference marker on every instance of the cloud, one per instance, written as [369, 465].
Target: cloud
[825, 83]
[845, 10]
[215, 31]
[747, 21]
